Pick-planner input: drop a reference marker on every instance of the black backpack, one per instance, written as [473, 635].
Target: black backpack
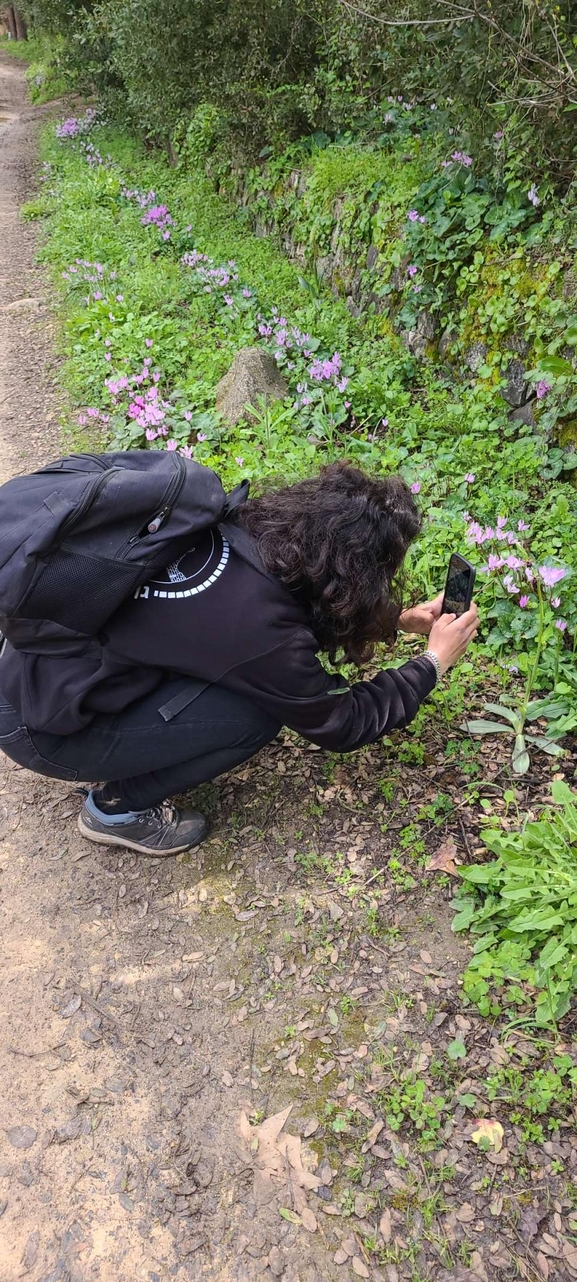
[78, 537]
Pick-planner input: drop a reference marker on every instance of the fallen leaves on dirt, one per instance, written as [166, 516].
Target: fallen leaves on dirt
[443, 860]
[277, 1161]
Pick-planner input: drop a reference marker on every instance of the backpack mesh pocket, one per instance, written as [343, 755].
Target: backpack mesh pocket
[80, 592]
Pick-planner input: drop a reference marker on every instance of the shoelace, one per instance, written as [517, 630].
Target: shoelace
[165, 813]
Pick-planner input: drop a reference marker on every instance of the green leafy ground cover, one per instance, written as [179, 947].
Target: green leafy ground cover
[161, 281]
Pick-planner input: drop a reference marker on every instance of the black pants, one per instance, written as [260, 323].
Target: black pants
[143, 758]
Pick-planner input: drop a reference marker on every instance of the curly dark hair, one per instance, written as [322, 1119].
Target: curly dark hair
[337, 540]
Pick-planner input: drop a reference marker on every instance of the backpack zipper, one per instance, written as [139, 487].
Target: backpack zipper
[172, 493]
[89, 498]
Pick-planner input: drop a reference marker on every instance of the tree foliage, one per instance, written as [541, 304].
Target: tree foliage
[275, 69]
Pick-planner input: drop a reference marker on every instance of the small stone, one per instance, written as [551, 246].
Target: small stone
[360, 1268]
[340, 1256]
[275, 1262]
[361, 1204]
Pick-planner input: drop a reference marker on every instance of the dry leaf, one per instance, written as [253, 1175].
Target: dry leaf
[227, 1079]
[309, 1220]
[543, 1265]
[465, 1214]
[530, 1220]
[311, 1126]
[443, 860]
[30, 1255]
[385, 1225]
[277, 1161]
[488, 1134]
[71, 1006]
[359, 1267]
[372, 1136]
[21, 1136]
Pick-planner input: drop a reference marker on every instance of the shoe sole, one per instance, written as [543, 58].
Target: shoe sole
[104, 839]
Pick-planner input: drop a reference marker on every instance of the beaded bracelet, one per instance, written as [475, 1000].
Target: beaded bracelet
[430, 654]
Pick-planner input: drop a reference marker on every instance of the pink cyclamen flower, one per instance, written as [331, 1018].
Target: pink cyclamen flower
[201, 436]
[148, 342]
[469, 477]
[494, 562]
[522, 525]
[239, 461]
[523, 601]
[550, 575]
[413, 215]
[172, 445]
[415, 487]
[556, 602]
[509, 584]
[542, 388]
[533, 196]
[412, 270]
[561, 624]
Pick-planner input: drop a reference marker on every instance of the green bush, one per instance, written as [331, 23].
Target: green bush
[275, 69]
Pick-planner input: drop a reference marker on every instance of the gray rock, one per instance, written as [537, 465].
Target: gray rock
[372, 255]
[324, 267]
[475, 355]
[569, 288]
[252, 376]
[397, 279]
[515, 391]
[354, 307]
[448, 337]
[356, 286]
[524, 414]
[516, 343]
[417, 339]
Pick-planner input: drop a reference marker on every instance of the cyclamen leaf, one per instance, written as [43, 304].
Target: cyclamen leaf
[520, 758]
[502, 711]
[546, 745]
[482, 726]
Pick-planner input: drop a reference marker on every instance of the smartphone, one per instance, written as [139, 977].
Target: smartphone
[459, 586]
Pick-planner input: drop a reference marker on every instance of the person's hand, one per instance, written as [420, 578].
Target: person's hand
[451, 634]
[420, 618]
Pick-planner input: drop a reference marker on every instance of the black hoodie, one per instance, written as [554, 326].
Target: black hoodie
[216, 615]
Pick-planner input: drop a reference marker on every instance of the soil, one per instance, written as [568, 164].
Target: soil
[146, 1004]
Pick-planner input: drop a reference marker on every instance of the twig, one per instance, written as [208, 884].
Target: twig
[464, 835]
[34, 1054]
[86, 997]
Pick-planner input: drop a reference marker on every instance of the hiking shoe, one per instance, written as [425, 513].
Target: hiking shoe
[162, 830]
